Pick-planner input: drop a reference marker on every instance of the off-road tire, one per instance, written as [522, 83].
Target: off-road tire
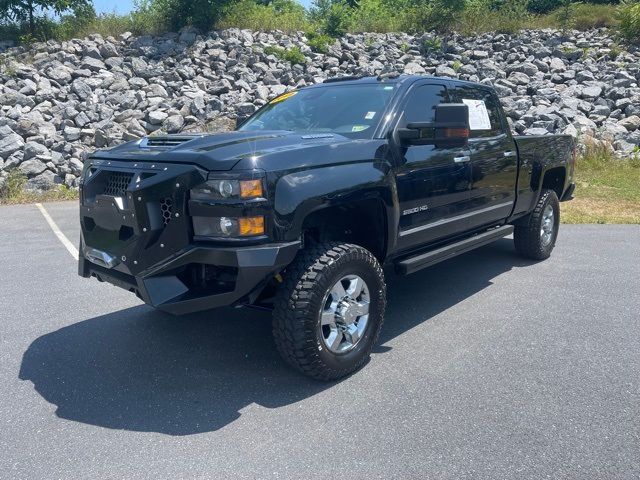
[298, 303]
[527, 237]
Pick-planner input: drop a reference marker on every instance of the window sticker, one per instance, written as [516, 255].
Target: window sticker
[369, 115]
[478, 114]
[359, 128]
[283, 97]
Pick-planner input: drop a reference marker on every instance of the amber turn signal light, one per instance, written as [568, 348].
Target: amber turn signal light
[249, 226]
[456, 132]
[250, 188]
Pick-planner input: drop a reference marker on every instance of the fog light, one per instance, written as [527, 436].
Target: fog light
[228, 226]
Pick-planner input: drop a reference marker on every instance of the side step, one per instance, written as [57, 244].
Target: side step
[423, 260]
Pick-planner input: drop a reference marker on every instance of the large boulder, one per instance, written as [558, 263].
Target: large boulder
[10, 142]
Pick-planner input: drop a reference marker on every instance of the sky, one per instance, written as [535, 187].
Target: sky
[125, 6]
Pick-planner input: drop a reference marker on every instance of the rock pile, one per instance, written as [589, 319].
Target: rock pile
[60, 100]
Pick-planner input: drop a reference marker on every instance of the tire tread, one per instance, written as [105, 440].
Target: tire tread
[292, 307]
[527, 237]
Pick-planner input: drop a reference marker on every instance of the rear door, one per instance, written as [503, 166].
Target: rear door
[433, 182]
[494, 159]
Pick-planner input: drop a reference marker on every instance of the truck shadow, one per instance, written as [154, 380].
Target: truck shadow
[141, 370]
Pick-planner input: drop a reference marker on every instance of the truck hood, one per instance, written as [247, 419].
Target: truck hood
[246, 150]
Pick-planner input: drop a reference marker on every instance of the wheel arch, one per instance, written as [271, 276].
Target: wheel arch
[362, 222]
[554, 179]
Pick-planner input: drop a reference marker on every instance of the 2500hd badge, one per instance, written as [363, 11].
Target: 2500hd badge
[299, 209]
[421, 208]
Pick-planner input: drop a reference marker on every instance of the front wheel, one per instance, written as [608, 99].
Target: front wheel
[329, 310]
[537, 237]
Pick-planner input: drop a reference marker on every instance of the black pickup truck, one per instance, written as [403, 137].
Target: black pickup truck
[298, 210]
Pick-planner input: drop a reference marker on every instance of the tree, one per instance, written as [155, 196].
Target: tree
[202, 14]
[30, 11]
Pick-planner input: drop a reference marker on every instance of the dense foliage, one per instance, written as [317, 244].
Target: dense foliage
[44, 19]
[629, 15]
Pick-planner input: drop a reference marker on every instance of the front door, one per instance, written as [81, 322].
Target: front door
[494, 159]
[433, 182]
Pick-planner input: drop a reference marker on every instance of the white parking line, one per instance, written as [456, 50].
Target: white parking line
[65, 241]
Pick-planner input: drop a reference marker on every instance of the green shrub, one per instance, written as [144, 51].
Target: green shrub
[443, 16]
[377, 16]
[9, 31]
[333, 18]
[293, 55]
[543, 6]
[176, 14]
[318, 42]
[431, 46]
[286, 15]
[587, 16]
[629, 17]
[495, 16]
[581, 16]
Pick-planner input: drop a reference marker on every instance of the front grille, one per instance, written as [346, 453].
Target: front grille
[166, 207]
[117, 184]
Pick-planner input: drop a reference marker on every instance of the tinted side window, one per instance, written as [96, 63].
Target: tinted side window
[422, 102]
[471, 93]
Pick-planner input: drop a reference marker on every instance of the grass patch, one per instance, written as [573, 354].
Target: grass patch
[607, 189]
[12, 191]
[583, 16]
[278, 15]
[292, 55]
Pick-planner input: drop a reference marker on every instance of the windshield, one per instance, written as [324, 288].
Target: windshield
[350, 110]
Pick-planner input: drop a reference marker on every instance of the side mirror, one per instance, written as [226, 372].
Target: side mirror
[450, 128]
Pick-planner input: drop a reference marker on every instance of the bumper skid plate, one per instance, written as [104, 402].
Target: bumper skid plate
[163, 288]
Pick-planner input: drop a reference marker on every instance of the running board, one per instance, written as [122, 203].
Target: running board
[418, 262]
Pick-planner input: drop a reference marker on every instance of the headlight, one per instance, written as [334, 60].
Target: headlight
[223, 189]
[227, 227]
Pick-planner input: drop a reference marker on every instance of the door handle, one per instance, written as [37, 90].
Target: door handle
[462, 159]
[509, 154]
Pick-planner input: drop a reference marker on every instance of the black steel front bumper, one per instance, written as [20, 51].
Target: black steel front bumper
[161, 287]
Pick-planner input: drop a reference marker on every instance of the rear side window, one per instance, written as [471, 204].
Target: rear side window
[422, 101]
[481, 99]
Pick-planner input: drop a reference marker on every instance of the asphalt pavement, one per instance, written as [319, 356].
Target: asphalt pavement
[488, 367]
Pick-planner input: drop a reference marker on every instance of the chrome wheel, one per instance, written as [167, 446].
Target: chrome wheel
[345, 314]
[548, 224]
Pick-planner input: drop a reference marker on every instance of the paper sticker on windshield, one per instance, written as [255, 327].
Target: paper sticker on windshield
[283, 97]
[478, 114]
[359, 128]
[369, 115]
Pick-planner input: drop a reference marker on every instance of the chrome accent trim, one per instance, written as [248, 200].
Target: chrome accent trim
[510, 154]
[464, 158]
[100, 258]
[444, 221]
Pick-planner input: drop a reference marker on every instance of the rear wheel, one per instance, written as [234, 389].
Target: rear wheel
[537, 237]
[329, 310]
